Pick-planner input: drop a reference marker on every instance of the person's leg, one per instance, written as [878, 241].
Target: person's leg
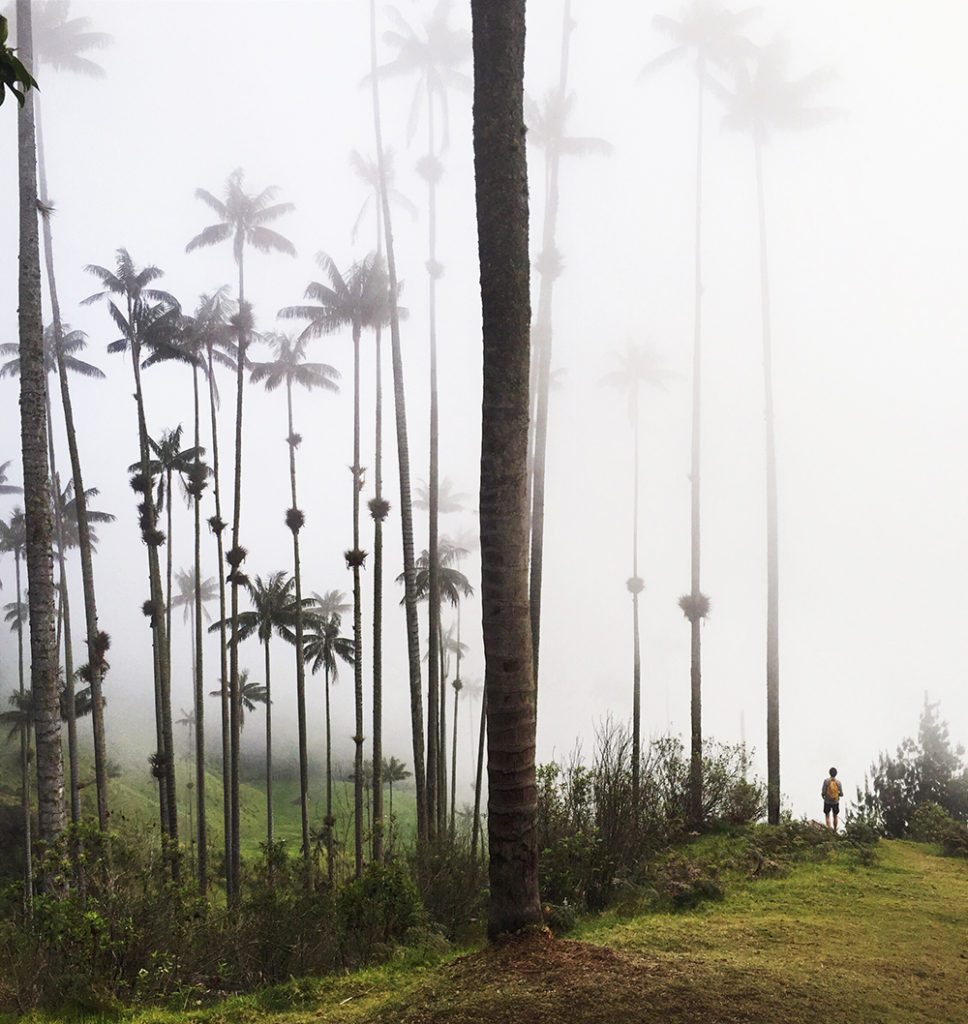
[836, 813]
[826, 816]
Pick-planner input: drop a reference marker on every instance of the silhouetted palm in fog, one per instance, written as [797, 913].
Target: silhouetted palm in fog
[764, 101]
[323, 649]
[13, 540]
[433, 55]
[548, 129]
[635, 367]
[6, 488]
[358, 299]
[146, 318]
[273, 613]
[61, 44]
[710, 35]
[289, 367]
[368, 171]
[242, 218]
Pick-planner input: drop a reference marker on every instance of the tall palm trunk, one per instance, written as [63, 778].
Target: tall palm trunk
[696, 612]
[436, 801]
[330, 820]
[198, 658]
[24, 753]
[219, 526]
[635, 585]
[357, 614]
[500, 164]
[64, 620]
[772, 569]
[95, 640]
[235, 707]
[158, 617]
[379, 511]
[403, 459]
[453, 761]
[479, 777]
[269, 818]
[33, 433]
[295, 526]
[549, 269]
[441, 731]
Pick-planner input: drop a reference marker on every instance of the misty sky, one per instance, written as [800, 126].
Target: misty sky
[868, 217]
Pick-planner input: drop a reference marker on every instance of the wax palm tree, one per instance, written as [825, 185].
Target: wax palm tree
[433, 55]
[452, 645]
[324, 648]
[209, 336]
[710, 35]
[548, 129]
[403, 456]
[147, 318]
[273, 613]
[477, 689]
[188, 722]
[635, 367]
[765, 101]
[250, 695]
[369, 172]
[62, 43]
[169, 459]
[243, 218]
[394, 771]
[501, 172]
[13, 540]
[359, 300]
[290, 367]
[36, 470]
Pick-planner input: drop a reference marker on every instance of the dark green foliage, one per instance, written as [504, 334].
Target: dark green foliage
[686, 883]
[596, 844]
[928, 770]
[452, 885]
[376, 910]
[13, 75]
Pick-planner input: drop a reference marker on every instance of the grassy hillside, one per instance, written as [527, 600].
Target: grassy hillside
[836, 942]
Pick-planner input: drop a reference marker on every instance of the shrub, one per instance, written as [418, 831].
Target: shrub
[377, 909]
[929, 823]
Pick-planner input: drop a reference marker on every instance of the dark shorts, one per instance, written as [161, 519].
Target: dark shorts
[831, 808]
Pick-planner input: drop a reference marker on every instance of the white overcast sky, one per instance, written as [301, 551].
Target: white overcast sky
[868, 221]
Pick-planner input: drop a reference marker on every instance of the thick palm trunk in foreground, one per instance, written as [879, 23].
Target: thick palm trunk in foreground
[500, 164]
[33, 434]
[403, 457]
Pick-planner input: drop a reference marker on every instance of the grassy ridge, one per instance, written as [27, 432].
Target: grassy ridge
[885, 943]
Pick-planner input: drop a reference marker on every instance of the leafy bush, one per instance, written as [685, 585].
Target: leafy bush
[929, 823]
[686, 883]
[376, 910]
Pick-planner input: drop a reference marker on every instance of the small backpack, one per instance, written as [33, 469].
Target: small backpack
[832, 790]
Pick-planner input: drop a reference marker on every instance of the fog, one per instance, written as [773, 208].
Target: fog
[868, 217]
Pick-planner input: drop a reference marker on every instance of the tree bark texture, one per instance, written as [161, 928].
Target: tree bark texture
[500, 163]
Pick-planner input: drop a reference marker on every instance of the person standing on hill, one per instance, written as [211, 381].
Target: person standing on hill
[831, 792]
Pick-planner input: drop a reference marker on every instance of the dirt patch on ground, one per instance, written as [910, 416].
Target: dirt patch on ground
[536, 979]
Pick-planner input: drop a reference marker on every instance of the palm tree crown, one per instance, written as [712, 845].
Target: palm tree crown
[290, 367]
[324, 648]
[709, 32]
[60, 41]
[6, 488]
[71, 342]
[243, 217]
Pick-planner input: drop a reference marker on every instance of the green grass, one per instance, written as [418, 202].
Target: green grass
[834, 941]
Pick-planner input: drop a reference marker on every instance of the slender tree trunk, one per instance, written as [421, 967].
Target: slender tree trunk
[441, 732]
[378, 516]
[479, 778]
[295, 527]
[234, 690]
[33, 433]
[435, 750]
[500, 163]
[695, 616]
[453, 762]
[96, 641]
[772, 569]
[635, 585]
[199, 660]
[269, 820]
[330, 820]
[549, 265]
[24, 753]
[72, 753]
[403, 457]
[357, 614]
[223, 652]
[163, 665]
